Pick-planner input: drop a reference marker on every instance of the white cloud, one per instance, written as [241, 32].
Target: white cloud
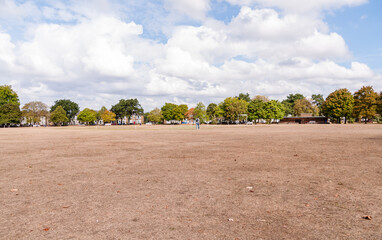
[300, 7]
[98, 58]
[195, 9]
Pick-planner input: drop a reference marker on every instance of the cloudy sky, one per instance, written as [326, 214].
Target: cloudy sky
[182, 51]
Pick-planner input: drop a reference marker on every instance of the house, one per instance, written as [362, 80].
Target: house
[136, 119]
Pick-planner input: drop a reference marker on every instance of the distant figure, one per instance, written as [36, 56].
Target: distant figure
[197, 122]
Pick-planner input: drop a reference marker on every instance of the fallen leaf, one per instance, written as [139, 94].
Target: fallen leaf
[65, 207]
[14, 190]
[46, 229]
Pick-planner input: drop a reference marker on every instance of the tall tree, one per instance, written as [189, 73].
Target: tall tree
[71, 108]
[290, 101]
[87, 116]
[9, 106]
[245, 97]
[183, 108]
[34, 111]
[304, 106]
[155, 116]
[318, 100]
[211, 110]
[256, 110]
[168, 111]
[9, 114]
[126, 108]
[338, 104]
[58, 116]
[233, 108]
[200, 112]
[365, 103]
[273, 110]
[107, 116]
[100, 112]
[7, 95]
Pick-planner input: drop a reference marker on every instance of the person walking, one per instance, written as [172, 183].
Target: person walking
[197, 122]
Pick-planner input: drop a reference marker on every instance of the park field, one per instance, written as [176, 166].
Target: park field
[175, 182]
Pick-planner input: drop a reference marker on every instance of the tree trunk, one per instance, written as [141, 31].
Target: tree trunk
[346, 119]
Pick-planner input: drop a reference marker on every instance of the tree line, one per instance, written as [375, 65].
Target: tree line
[365, 104]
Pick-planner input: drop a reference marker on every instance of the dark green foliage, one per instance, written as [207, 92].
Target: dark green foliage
[290, 101]
[256, 110]
[9, 106]
[9, 114]
[71, 108]
[126, 108]
[244, 97]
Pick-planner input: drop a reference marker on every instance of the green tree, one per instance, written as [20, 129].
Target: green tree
[9, 106]
[126, 108]
[256, 110]
[290, 101]
[233, 108]
[107, 116]
[338, 104]
[100, 112]
[200, 112]
[71, 108]
[244, 97]
[304, 106]
[87, 116]
[9, 114]
[34, 111]
[7, 95]
[318, 100]
[168, 111]
[273, 110]
[211, 110]
[58, 116]
[365, 103]
[155, 116]
[183, 108]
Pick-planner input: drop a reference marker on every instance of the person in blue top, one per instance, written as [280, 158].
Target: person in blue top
[197, 122]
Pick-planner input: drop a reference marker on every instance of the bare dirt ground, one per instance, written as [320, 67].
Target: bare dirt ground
[163, 182]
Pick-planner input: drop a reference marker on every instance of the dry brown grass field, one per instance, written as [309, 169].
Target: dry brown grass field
[174, 182]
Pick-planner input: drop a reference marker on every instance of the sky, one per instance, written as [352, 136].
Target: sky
[98, 52]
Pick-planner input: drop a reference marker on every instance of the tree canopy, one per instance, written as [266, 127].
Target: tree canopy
[107, 116]
[200, 112]
[58, 116]
[233, 107]
[338, 104]
[256, 110]
[126, 108]
[87, 116]
[71, 108]
[290, 101]
[244, 96]
[273, 110]
[304, 106]
[155, 115]
[365, 103]
[9, 106]
[34, 111]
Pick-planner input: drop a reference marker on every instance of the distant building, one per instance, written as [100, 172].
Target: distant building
[305, 118]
